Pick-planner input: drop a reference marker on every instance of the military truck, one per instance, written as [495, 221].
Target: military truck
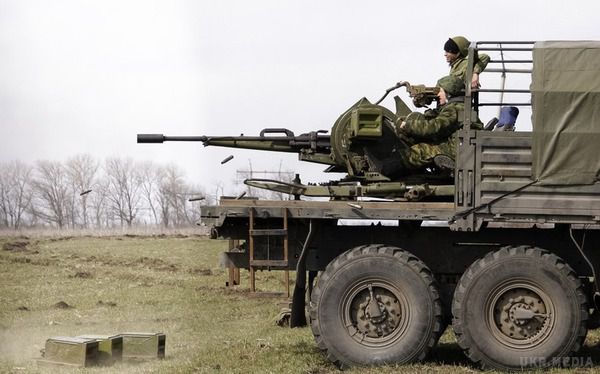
[499, 245]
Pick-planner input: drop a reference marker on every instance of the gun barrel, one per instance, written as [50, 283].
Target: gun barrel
[160, 138]
[313, 146]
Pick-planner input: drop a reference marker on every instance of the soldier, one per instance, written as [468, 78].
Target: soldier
[431, 133]
[455, 51]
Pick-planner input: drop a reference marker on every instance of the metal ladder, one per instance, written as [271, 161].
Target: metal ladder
[268, 263]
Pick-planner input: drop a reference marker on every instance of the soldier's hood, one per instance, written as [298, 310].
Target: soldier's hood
[463, 45]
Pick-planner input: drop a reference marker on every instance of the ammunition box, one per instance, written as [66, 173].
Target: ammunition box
[70, 351]
[366, 123]
[110, 348]
[142, 345]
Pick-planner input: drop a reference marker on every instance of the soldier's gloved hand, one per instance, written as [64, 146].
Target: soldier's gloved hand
[430, 113]
[475, 81]
[400, 122]
[403, 136]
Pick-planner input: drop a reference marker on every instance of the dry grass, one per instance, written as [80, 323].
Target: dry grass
[171, 284]
[137, 230]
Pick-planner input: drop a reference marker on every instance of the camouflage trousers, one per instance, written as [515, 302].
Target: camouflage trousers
[421, 155]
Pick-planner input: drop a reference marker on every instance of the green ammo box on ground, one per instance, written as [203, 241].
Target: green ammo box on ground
[110, 347]
[138, 345]
[70, 352]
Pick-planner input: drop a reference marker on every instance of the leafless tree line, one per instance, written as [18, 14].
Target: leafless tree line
[83, 192]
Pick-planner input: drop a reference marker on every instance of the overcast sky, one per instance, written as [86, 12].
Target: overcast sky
[86, 76]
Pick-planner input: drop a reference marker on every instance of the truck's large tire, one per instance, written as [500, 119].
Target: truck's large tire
[519, 307]
[401, 327]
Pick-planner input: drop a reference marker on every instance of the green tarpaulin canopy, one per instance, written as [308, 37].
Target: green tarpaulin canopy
[566, 112]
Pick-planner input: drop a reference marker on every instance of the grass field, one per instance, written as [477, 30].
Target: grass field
[170, 284]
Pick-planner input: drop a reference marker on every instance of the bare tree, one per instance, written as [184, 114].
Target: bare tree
[98, 201]
[81, 171]
[15, 192]
[172, 199]
[5, 192]
[219, 188]
[164, 205]
[124, 191]
[193, 208]
[150, 176]
[51, 192]
[173, 195]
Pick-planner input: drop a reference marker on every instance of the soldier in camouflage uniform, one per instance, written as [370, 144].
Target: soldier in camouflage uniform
[431, 133]
[455, 51]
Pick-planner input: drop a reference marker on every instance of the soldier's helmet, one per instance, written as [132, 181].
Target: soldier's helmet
[453, 86]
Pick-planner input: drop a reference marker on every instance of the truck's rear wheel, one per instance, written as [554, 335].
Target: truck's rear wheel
[376, 305]
[519, 307]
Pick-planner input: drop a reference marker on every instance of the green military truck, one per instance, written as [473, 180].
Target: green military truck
[499, 245]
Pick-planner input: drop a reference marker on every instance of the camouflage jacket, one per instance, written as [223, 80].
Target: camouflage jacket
[437, 126]
[459, 67]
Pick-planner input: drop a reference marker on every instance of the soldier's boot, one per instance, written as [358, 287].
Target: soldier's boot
[444, 162]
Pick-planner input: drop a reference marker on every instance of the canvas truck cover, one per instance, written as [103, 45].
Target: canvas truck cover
[566, 112]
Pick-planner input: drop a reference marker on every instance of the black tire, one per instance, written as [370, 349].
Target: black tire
[401, 327]
[519, 307]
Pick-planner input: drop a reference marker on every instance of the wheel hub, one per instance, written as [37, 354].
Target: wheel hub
[521, 315]
[375, 314]
[378, 315]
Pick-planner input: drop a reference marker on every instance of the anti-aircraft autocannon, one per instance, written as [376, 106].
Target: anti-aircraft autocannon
[363, 143]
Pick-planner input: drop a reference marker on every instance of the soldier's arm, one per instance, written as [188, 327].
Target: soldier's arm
[481, 63]
[420, 127]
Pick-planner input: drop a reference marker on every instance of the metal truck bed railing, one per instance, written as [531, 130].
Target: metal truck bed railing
[503, 64]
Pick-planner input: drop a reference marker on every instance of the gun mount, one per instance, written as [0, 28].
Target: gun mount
[363, 143]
